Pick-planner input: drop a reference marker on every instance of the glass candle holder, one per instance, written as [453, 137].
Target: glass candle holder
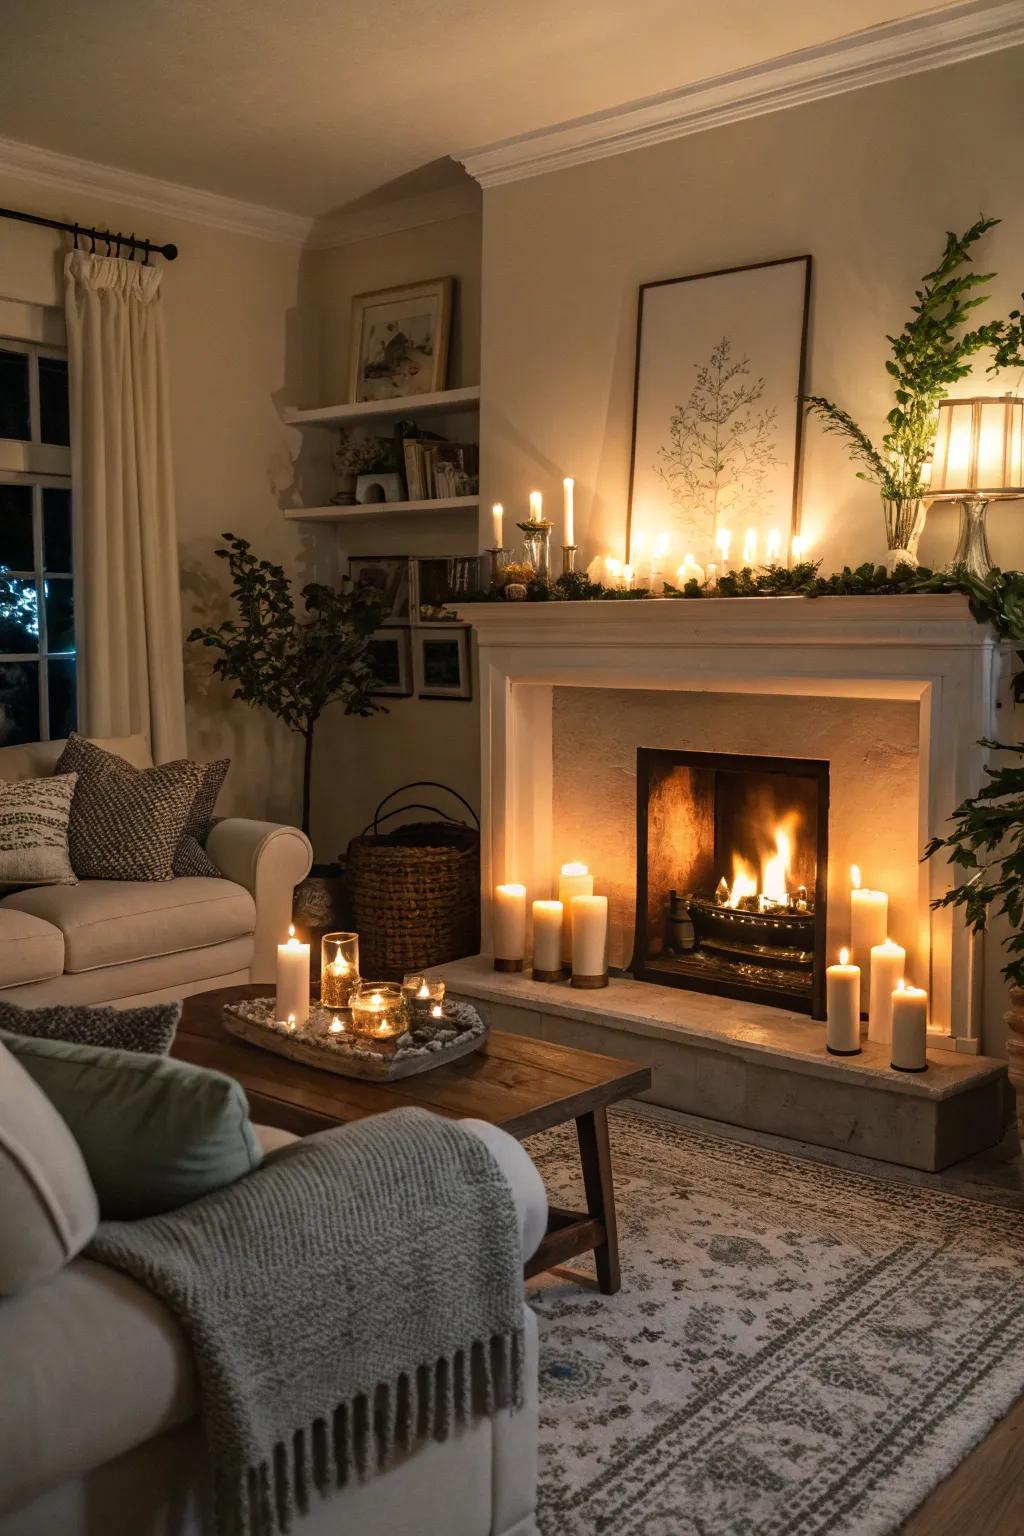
[339, 968]
[378, 1012]
[422, 994]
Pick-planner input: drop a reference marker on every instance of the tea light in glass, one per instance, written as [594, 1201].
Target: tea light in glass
[378, 1012]
[339, 968]
[422, 993]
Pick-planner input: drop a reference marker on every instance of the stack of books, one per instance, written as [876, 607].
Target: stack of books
[436, 470]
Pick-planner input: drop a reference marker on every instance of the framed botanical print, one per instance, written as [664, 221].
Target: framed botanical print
[717, 414]
[399, 342]
[442, 663]
[390, 575]
[391, 662]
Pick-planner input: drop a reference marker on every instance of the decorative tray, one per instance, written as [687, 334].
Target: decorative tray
[428, 1043]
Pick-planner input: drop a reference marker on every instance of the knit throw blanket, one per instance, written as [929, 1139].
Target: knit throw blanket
[362, 1289]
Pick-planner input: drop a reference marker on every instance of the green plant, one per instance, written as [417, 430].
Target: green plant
[932, 351]
[294, 663]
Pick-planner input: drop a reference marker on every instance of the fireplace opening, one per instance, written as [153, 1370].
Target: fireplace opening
[732, 863]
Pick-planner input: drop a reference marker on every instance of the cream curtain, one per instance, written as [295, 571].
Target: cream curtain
[128, 615]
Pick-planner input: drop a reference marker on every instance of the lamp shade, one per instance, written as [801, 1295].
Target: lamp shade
[979, 448]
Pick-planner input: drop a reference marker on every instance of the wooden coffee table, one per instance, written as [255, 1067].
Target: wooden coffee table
[520, 1084]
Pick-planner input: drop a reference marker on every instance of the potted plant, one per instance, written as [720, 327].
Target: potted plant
[295, 662]
[354, 456]
[933, 351]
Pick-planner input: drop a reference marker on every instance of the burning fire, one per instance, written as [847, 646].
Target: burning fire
[773, 887]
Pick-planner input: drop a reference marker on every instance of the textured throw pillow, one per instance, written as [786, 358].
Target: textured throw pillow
[34, 815]
[126, 823]
[48, 1208]
[190, 857]
[149, 1029]
[155, 1133]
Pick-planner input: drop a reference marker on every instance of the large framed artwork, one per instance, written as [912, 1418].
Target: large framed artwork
[399, 343]
[717, 416]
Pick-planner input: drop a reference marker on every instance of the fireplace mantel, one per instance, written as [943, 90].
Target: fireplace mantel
[927, 649]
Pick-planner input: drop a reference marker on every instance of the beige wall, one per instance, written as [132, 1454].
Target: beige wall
[866, 182]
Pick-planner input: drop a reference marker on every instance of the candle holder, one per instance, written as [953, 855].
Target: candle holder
[339, 968]
[568, 559]
[498, 559]
[537, 547]
[422, 995]
[588, 983]
[379, 1013]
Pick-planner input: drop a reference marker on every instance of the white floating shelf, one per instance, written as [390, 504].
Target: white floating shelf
[380, 509]
[441, 402]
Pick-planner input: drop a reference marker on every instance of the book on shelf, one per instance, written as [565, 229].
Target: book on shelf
[437, 470]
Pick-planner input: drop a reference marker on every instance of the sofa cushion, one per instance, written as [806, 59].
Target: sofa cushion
[149, 1029]
[34, 816]
[31, 949]
[190, 856]
[48, 1207]
[111, 922]
[36, 759]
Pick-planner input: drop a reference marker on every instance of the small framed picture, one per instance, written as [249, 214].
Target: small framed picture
[442, 663]
[441, 580]
[399, 340]
[389, 574]
[392, 663]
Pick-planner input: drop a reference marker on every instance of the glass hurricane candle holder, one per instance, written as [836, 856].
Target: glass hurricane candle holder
[339, 968]
[422, 995]
[378, 1012]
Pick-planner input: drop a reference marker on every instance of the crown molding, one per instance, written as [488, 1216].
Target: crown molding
[347, 228]
[150, 193]
[881, 53]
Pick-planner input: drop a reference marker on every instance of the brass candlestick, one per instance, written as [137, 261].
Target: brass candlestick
[568, 559]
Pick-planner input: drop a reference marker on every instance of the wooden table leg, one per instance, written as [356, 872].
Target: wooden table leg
[596, 1161]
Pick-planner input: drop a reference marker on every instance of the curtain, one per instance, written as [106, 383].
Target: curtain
[127, 603]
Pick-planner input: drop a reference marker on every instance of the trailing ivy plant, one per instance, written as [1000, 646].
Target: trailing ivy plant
[294, 663]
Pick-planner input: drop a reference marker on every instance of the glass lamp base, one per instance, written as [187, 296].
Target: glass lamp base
[972, 551]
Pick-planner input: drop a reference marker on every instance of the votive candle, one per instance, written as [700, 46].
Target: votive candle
[293, 980]
[548, 922]
[509, 925]
[888, 963]
[909, 1028]
[842, 993]
[589, 918]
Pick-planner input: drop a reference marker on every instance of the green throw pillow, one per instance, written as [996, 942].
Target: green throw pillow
[155, 1133]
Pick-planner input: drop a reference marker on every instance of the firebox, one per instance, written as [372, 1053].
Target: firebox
[732, 863]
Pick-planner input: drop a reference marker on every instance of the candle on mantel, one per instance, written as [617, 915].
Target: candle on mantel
[869, 925]
[589, 918]
[888, 962]
[536, 507]
[569, 528]
[909, 1028]
[292, 980]
[498, 530]
[723, 538]
[627, 577]
[750, 547]
[712, 573]
[574, 879]
[773, 546]
[508, 913]
[798, 546]
[548, 922]
[689, 571]
[842, 992]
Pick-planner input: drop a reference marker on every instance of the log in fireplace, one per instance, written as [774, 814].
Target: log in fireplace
[732, 864]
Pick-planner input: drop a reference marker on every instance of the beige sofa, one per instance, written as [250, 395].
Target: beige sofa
[127, 941]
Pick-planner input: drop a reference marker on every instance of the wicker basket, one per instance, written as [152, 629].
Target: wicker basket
[416, 890]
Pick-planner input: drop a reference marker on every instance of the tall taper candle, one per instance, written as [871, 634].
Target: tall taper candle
[909, 1028]
[589, 917]
[293, 980]
[568, 531]
[573, 880]
[498, 530]
[536, 506]
[888, 962]
[508, 914]
[548, 921]
[842, 992]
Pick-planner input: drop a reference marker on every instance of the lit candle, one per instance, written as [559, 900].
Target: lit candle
[437, 1012]
[869, 924]
[336, 1027]
[689, 571]
[842, 992]
[750, 547]
[589, 918]
[613, 570]
[627, 577]
[797, 547]
[292, 980]
[574, 879]
[568, 534]
[909, 1028]
[888, 962]
[723, 538]
[497, 515]
[712, 573]
[509, 922]
[548, 922]
[378, 1011]
[773, 546]
[536, 506]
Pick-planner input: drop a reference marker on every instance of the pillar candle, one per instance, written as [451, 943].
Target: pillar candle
[869, 925]
[723, 538]
[589, 917]
[574, 880]
[548, 922]
[498, 515]
[842, 992]
[536, 507]
[888, 962]
[509, 925]
[293, 980]
[568, 533]
[909, 1028]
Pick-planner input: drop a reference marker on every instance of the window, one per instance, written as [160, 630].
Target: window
[37, 611]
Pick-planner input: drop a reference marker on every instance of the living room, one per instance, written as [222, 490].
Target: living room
[510, 805]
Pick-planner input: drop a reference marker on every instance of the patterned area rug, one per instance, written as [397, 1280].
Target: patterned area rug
[795, 1350]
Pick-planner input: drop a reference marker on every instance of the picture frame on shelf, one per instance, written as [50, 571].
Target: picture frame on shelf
[442, 662]
[391, 659]
[391, 576]
[399, 340]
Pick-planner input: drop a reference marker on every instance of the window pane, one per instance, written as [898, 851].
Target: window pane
[19, 702]
[60, 614]
[16, 552]
[14, 413]
[63, 710]
[19, 617]
[54, 424]
[56, 530]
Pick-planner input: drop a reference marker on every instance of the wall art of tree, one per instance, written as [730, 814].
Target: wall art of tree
[720, 447]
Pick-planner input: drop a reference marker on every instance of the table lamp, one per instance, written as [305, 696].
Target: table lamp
[978, 458]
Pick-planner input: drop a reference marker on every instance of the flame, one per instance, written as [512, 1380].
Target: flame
[775, 869]
[773, 885]
[855, 877]
[744, 881]
[844, 957]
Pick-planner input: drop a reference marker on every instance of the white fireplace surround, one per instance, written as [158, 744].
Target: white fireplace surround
[925, 649]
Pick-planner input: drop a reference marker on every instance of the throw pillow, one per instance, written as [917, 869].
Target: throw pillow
[155, 1133]
[34, 815]
[190, 857]
[48, 1208]
[149, 1029]
[126, 823]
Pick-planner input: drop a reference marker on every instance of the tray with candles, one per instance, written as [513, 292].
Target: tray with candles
[370, 1039]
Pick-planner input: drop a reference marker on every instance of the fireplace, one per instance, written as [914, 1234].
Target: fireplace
[732, 865]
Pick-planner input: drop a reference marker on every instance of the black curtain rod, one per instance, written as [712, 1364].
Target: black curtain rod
[108, 236]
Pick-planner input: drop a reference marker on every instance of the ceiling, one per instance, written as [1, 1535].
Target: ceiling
[306, 105]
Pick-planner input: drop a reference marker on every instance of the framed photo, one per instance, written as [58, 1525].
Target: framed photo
[400, 340]
[717, 416]
[390, 575]
[392, 663]
[442, 663]
[441, 580]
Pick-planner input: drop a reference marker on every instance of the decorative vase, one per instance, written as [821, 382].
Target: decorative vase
[905, 517]
[515, 592]
[345, 494]
[972, 551]
[537, 548]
